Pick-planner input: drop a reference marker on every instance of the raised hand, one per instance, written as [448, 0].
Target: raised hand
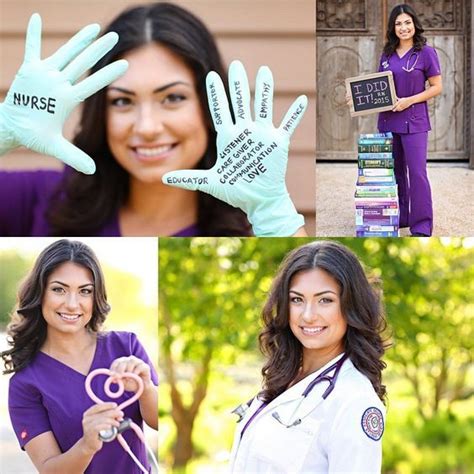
[252, 155]
[44, 92]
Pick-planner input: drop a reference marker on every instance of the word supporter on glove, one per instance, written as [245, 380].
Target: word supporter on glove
[252, 155]
[44, 92]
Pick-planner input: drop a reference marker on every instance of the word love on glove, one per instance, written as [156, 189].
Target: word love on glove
[44, 93]
[252, 155]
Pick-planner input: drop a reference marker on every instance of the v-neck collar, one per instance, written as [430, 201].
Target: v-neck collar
[62, 364]
[404, 54]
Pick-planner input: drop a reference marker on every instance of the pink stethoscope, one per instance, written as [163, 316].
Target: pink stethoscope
[115, 433]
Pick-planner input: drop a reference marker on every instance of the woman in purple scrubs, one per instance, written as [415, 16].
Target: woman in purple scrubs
[56, 341]
[413, 63]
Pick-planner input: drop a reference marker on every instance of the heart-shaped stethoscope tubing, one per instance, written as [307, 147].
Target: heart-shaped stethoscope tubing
[127, 423]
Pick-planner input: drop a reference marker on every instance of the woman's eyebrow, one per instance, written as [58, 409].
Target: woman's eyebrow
[316, 294]
[158, 89]
[67, 286]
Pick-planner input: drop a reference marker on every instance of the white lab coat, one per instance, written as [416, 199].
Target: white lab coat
[330, 437]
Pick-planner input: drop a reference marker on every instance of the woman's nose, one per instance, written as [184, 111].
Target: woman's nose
[309, 313]
[72, 301]
[149, 122]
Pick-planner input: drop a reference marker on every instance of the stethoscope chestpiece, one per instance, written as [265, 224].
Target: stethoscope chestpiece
[109, 435]
[240, 411]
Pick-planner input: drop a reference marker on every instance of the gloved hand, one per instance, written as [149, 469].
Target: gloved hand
[251, 155]
[43, 93]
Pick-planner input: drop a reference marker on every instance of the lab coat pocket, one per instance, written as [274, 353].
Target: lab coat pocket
[279, 449]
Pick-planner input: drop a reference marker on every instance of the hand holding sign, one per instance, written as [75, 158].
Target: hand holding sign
[371, 93]
[44, 93]
[251, 155]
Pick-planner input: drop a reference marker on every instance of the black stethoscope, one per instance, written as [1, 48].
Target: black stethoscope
[322, 377]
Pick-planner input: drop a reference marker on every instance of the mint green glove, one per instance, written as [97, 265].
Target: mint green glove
[251, 155]
[44, 93]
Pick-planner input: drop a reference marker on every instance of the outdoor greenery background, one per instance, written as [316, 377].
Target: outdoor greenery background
[211, 293]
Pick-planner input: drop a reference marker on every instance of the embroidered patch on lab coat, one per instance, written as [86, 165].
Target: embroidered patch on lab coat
[372, 423]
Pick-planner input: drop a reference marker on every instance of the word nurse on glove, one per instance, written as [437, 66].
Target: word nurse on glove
[252, 154]
[44, 93]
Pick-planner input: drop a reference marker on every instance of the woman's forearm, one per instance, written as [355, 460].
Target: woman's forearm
[73, 461]
[149, 406]
[427, 94]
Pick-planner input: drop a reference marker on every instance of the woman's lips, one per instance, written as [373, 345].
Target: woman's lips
[70, 318]
[313, 330]
[152, 153]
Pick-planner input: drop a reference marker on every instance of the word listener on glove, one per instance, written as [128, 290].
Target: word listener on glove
[44, 92]
[252, 155]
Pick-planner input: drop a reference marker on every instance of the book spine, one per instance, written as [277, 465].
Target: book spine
[375, 141]
[376, 234]
[370, 172]
[376, 148]
[384, 163]
[375, 156]
[376, 135]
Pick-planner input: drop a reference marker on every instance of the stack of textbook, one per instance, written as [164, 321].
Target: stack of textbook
[376, 196]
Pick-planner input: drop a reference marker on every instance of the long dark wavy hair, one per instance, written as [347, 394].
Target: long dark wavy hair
[360, 306]
[27, 329]
[83, 203]
[392, 39]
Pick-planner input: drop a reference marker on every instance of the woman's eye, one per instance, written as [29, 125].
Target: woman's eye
[325, 300]
[86, 291]
[174, 98]
[120, 102]
[57, 289]
[296, 299]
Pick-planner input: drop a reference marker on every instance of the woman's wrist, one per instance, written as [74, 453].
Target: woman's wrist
[7, 142]
[84, 448]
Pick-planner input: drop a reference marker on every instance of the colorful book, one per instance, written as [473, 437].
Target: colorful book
[376, 181]
[376, 135]
[376, 191]
[376, 234]
[381, 163]
[375, 156]
[375, 141]
[375, 172]
[375, 148]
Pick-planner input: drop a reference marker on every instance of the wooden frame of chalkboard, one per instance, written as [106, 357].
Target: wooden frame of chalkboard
[371, 93]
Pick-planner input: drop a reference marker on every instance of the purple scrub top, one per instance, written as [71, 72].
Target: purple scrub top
[424, 64]
[48, 395]
[24, 201]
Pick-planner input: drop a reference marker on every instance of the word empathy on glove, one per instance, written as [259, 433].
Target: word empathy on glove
[35, 102]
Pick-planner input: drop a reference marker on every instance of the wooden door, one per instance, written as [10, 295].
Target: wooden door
[350, 37]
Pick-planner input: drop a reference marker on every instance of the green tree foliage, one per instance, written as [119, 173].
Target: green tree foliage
[428, 287]
[13, 268]
[212, 291]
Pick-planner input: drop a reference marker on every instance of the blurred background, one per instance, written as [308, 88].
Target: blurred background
[131, 278]
[277, 33]
[211, 294]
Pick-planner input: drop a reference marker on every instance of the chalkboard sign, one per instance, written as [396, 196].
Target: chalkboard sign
[371, 93]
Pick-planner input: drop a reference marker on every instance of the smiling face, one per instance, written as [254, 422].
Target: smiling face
[404, 27]
[315, 314]
[68, 299]
[155, 121]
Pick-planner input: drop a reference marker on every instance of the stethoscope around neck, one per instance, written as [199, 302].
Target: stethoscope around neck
[322, 377]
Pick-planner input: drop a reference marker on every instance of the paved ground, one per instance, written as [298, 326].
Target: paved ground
[452, 186]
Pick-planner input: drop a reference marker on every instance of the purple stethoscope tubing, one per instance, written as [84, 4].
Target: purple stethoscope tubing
[322, 377]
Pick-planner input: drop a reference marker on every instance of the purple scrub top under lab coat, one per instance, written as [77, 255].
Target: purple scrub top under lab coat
[425, 64]
[25, 199]
[48, 395]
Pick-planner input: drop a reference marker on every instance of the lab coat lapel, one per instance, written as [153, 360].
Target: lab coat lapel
[294, 393]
